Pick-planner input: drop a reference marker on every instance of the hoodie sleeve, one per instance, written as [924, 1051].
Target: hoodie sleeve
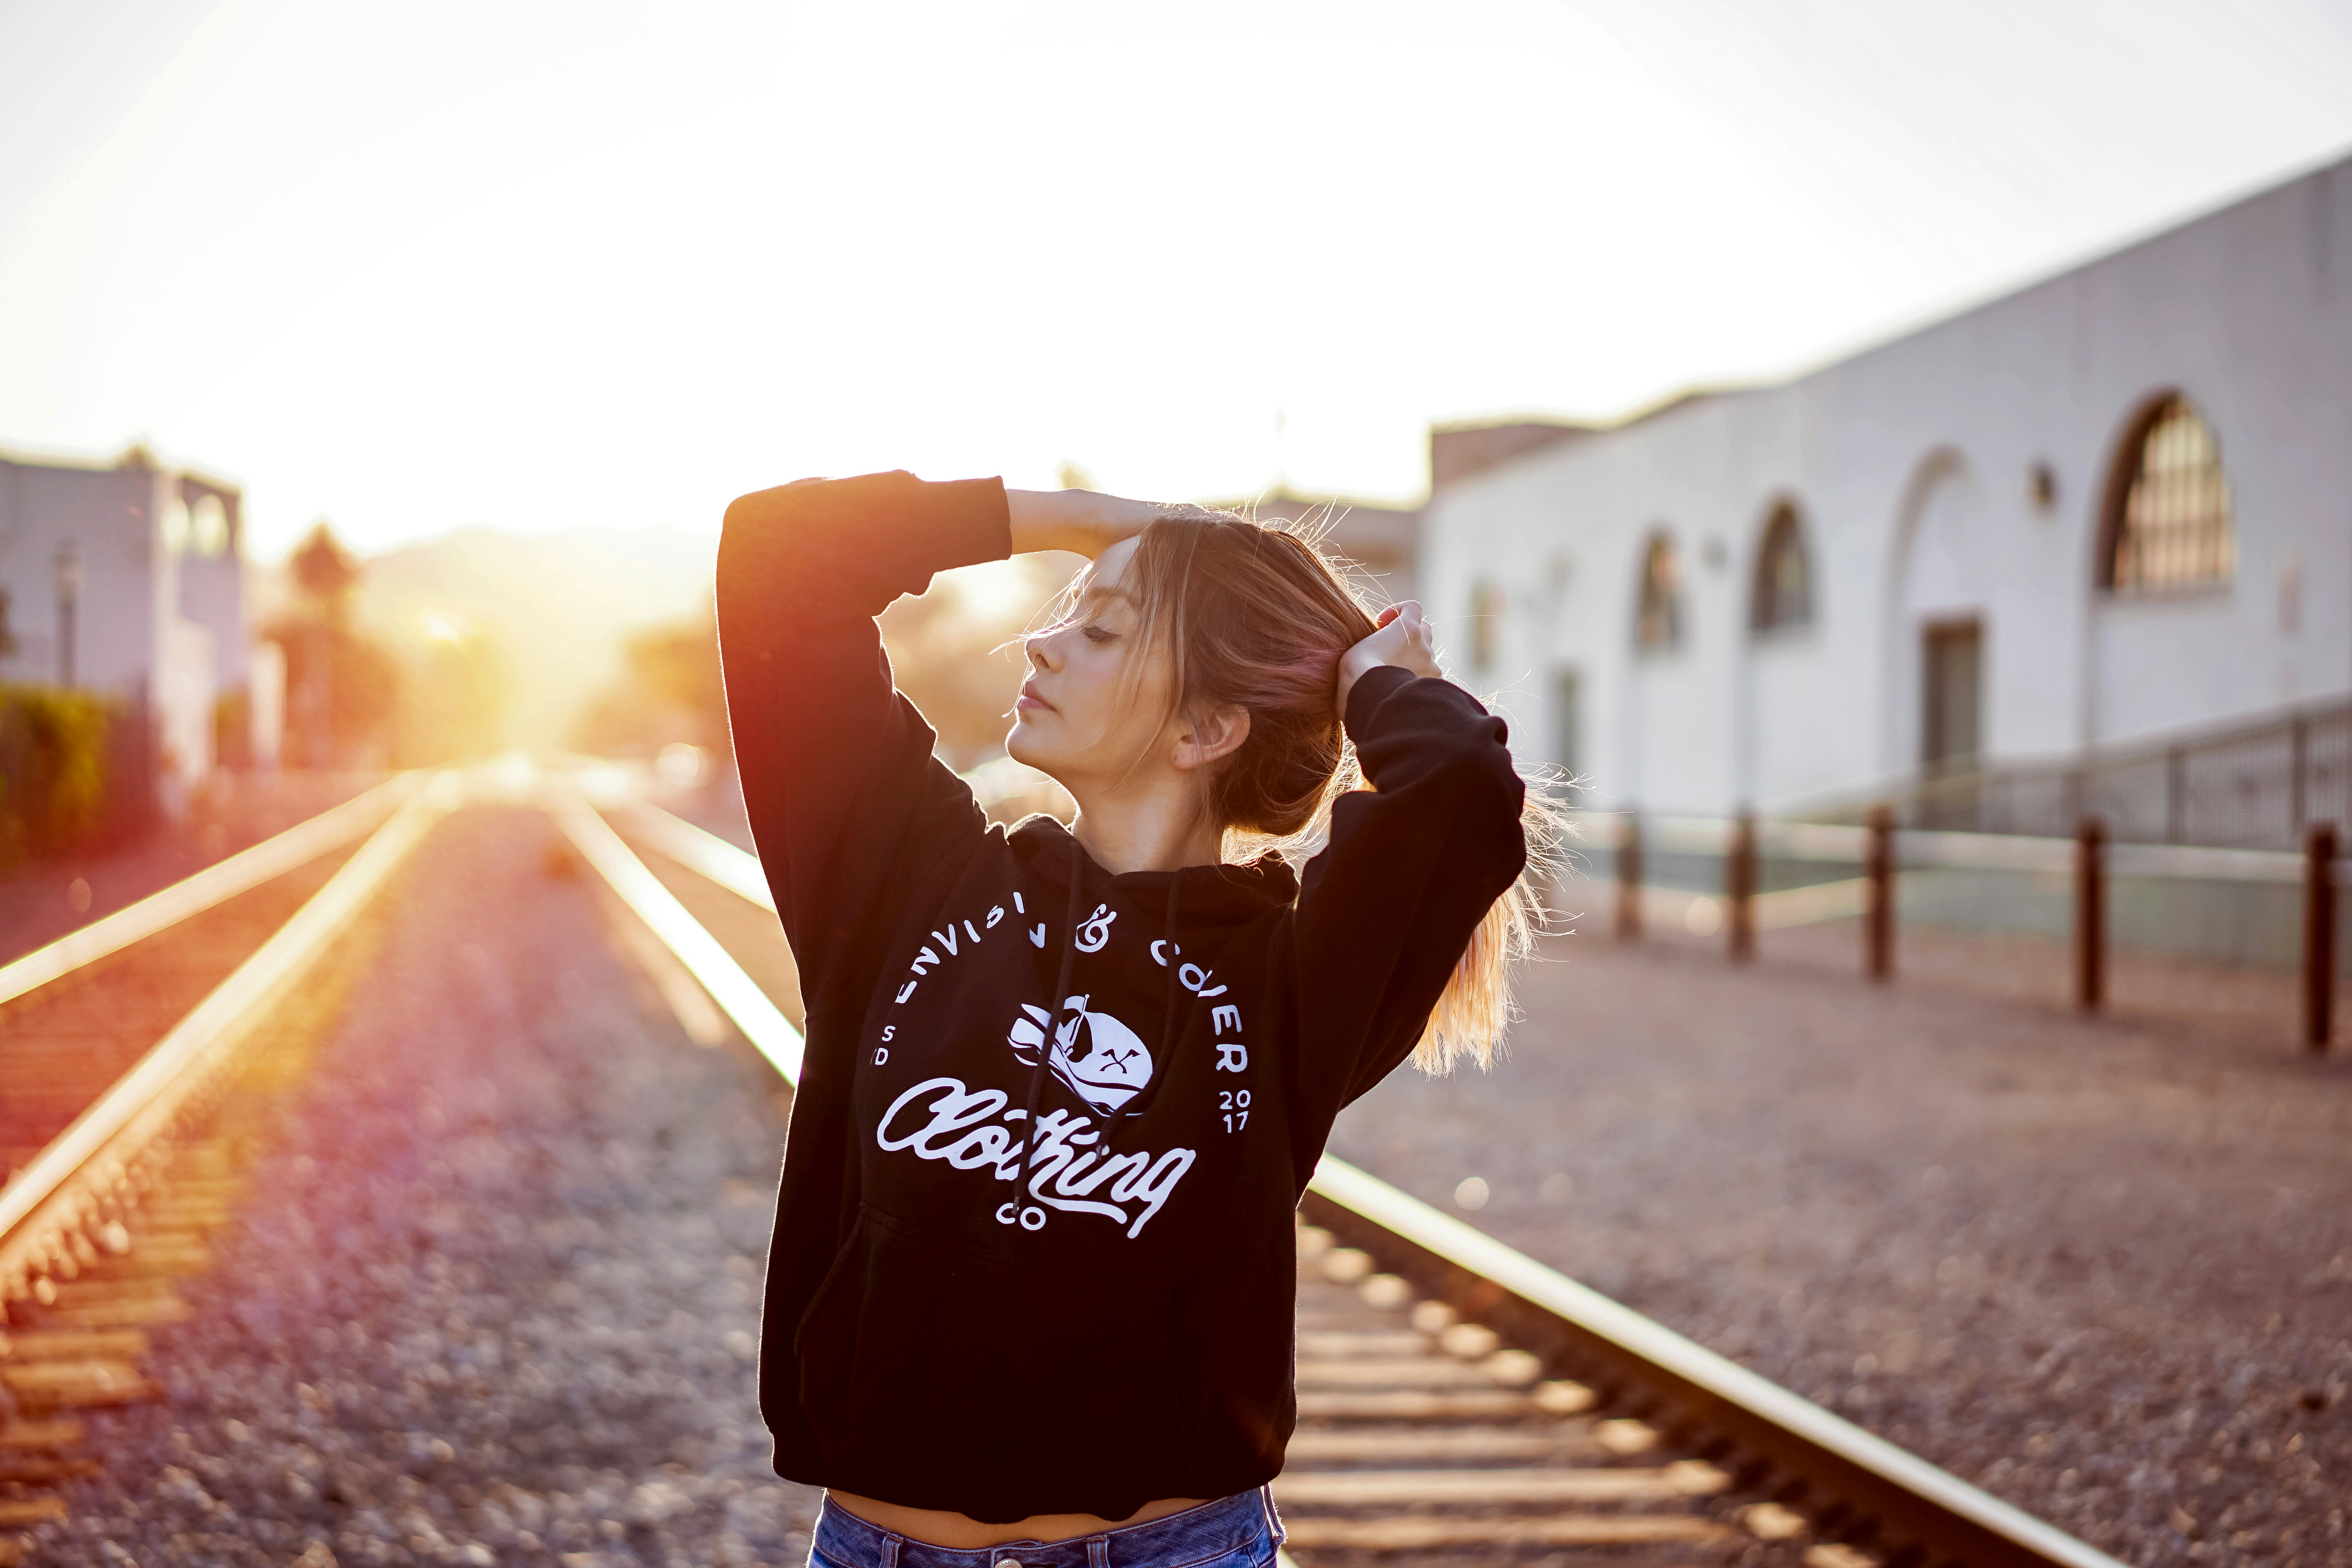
[1412, 866]
[846, 800]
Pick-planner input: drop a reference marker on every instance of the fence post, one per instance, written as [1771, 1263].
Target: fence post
[2319, 936]
[2090, 914]
[2176, 795]
[1878, 910]
[1628, 878]
[2298, 753]
[1740, 887]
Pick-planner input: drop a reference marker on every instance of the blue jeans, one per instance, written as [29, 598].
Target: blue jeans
[1238, 1531]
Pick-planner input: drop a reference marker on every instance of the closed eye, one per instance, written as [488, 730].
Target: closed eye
[1095, 633]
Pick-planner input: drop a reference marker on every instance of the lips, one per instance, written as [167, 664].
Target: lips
[1029, 698]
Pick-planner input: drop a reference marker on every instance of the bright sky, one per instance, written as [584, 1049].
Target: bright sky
[418, 265]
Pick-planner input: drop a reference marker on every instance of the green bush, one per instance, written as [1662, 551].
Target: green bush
[53, 774]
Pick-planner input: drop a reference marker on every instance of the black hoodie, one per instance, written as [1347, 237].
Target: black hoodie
[954, 1320]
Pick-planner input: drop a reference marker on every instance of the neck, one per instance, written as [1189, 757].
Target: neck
[1155, 827]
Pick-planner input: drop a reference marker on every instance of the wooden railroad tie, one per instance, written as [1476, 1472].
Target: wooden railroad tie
[79, 1348]
[1422, 1433]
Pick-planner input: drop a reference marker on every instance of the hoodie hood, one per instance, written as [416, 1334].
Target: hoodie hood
[1216, 895]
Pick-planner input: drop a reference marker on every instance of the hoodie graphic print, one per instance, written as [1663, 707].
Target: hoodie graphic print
[1082, 1161]
[1032, 1249]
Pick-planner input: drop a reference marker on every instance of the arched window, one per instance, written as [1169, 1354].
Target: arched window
[1658, 622]
[2167, 514]
[1783, 595]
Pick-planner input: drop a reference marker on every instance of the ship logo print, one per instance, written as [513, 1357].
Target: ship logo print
[1102, 1061]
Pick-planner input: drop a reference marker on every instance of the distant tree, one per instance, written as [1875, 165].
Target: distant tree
[324, 571]
[7, 632]
[342, 686]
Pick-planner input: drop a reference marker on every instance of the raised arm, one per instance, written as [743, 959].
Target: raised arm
[839, 782]
[1414, 863]
[1086, 522]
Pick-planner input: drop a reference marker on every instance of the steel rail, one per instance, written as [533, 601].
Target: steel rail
[702, 852]
[1911, 1497]
[1911, 1500]
[217, 883]
[737, 994]
[70, 1183]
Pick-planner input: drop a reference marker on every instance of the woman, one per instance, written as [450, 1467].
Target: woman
[1030, 1295]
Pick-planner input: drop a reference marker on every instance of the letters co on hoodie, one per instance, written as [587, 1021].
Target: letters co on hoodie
[1034, 1243]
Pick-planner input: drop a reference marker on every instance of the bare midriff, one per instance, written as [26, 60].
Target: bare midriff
[961, 1533]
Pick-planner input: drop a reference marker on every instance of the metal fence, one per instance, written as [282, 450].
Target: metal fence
[2238, 904]
[2258, 787]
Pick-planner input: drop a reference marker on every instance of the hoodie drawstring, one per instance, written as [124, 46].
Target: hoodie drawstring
[1055, 1004]
[1165, 1045]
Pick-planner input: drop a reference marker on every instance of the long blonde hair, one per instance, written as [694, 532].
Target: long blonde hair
[1255, 614]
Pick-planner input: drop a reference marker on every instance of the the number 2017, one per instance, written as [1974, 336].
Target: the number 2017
[1235, 1104]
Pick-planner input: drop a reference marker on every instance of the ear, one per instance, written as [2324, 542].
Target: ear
[1204, 739]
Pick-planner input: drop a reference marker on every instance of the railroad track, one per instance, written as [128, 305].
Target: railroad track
[1459, 1403]
[137, 1055]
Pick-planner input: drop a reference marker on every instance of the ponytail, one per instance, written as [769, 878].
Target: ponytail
[1476, 1005]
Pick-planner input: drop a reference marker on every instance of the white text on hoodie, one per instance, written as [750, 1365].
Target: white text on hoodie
[971, 1128]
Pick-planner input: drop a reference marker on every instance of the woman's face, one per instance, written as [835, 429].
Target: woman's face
[1086, 715]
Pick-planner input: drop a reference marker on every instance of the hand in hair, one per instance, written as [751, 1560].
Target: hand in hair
[1083, 521]
[1402, 639]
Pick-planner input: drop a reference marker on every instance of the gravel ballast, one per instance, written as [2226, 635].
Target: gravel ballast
[494, 1296]
[2100, 1268]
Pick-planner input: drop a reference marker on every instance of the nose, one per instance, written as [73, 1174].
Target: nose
[1038, 647]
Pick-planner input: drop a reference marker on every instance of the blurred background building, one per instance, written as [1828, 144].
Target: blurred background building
[126, 583]
[2087, 545]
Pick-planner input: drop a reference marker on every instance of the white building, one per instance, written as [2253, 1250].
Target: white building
[2111, 509]
[128, 580]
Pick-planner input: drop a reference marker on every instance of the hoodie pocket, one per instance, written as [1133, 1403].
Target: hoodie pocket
[950, 1373]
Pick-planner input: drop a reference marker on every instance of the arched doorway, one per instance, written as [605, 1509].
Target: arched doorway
[1935, 719]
